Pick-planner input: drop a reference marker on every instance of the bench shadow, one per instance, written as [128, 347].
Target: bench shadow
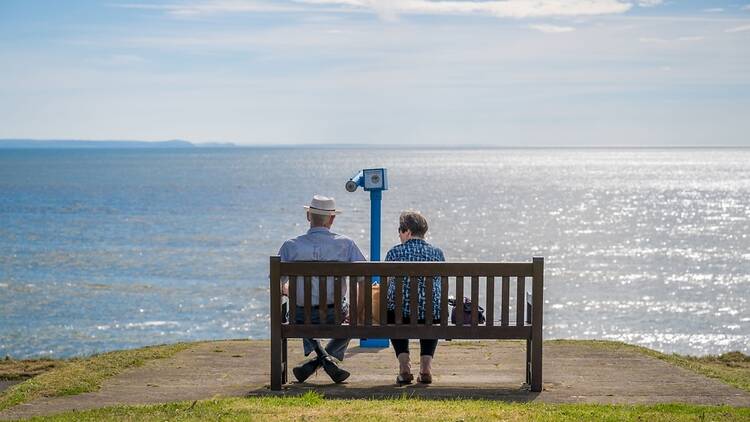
[505, 393]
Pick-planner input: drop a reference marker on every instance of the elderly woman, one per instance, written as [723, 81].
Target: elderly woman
[411, 231]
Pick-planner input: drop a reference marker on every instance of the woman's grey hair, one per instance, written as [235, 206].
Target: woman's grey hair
[414, 222]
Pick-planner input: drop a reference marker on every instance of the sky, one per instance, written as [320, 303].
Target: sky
[393, 72]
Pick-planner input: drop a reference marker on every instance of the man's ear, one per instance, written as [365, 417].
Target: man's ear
[330, 222]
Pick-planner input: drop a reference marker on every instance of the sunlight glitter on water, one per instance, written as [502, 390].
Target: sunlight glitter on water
[646, 246]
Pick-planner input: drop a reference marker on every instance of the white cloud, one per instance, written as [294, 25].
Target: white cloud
[746, 7]
[505, 8]
[552, 29]
[714, 10]
[739, 29]
[199, 8]
[653, 40]
[391, 9]
[694, 38]
[649, 3]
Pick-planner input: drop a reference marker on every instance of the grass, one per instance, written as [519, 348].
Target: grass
[19, 370]
[75, 376]
[732, 368]
[312, 406]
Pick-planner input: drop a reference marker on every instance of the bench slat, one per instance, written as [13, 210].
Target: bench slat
[308, 298]
[474, 301]
[413, 299]
[353, 305]
[383, 300]
[459, 300]
[490, 305]
[368, 301]
[406, 331]
[428, 293]
[398, 311]
[505, 303]
[520, 300]
[444, 316]
[337, 300]
[323, 299]
[402, 267]
[292, 299]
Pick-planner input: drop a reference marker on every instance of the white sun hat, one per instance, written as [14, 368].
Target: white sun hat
[322, 205]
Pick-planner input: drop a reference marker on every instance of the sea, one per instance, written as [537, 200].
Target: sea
[105, 249]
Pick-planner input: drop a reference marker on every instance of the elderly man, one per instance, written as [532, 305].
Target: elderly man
[320, 244]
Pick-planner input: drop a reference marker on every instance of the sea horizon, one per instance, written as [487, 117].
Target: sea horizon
[164, 144]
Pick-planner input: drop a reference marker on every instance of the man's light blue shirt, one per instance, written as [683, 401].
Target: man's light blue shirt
[320, 244]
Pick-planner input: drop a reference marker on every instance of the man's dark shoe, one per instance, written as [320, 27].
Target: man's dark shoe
[337, 374]
[303, 371]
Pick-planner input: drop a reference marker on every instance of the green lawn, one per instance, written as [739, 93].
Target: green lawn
[74, 376]
[312, 406]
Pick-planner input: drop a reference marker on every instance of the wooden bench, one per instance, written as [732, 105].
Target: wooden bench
[497, 279]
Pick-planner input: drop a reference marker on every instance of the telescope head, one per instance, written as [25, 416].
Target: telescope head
[369, 179]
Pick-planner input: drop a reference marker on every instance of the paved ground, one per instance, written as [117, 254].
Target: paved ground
[573, 373]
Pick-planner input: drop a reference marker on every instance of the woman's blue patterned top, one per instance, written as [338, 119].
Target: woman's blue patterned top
[415, 250]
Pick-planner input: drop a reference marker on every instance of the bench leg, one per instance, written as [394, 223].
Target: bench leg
[284, 363]
[276, 365]
[536, 365]
[528, 362]
[276, 361]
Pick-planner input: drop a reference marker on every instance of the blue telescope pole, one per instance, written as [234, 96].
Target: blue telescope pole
[375, 181]
[375, 198]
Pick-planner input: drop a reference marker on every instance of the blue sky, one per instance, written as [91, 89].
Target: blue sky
[501, 73]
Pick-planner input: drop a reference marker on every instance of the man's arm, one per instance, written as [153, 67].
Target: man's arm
[355, 254]
[284, 254]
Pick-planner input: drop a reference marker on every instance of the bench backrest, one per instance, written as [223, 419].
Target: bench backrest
[481, 282]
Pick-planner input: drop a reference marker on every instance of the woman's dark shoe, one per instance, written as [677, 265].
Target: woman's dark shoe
[405, 378]
[303, 371]
[424, 378]
[337, 374]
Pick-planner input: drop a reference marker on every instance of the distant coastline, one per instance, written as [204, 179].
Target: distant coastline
[100, 144]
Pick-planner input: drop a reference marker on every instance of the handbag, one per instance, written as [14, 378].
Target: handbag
[466, 312]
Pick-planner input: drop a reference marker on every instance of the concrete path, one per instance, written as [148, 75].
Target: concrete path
[573, 373]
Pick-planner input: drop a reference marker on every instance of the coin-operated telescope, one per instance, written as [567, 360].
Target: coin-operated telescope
[374, 181]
